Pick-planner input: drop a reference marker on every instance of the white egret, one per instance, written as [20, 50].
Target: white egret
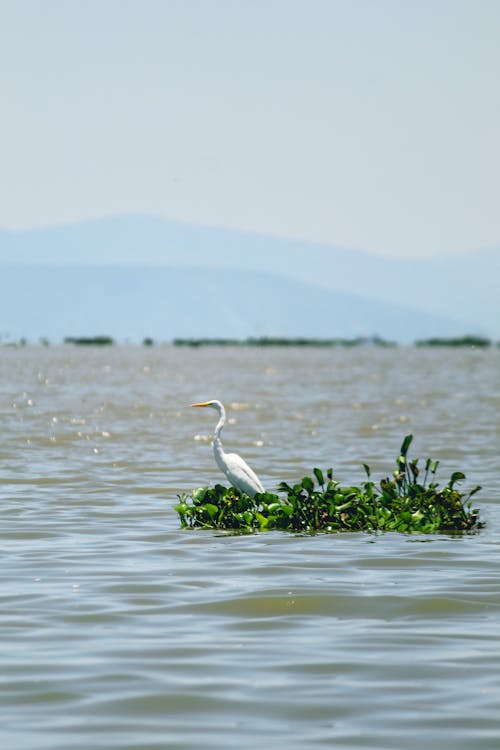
[237, 471]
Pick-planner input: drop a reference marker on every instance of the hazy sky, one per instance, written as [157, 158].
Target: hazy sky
[372, 124]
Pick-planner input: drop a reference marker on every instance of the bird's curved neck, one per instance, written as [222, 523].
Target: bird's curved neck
[218, 449]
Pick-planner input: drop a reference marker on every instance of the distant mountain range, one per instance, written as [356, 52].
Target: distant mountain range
[134, 277]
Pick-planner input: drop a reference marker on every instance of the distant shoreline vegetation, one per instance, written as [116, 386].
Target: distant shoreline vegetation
[463, 341]
[90, 340]
[467, 341]
[284, 341]
[472, 341]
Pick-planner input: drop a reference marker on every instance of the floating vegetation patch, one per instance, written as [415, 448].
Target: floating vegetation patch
[409, 501]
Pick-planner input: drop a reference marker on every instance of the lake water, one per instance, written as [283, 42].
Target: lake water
[119, 630]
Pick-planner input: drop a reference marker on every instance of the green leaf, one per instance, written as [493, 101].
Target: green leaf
[319, 476]
[198, 495]
[476, 489]
[212, 510]
[268, 497]
[405, 445]
[273, 507]
[308, 484]
[414, 469]
[263, 521]
[457, 476]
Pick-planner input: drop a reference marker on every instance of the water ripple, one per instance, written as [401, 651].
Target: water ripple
[121, 631]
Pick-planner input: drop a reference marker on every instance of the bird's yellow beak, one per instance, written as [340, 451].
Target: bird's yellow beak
[202, 403]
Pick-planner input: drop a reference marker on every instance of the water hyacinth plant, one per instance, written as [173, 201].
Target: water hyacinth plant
[410, 500]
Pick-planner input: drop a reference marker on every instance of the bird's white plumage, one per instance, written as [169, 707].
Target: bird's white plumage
[237, 471]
